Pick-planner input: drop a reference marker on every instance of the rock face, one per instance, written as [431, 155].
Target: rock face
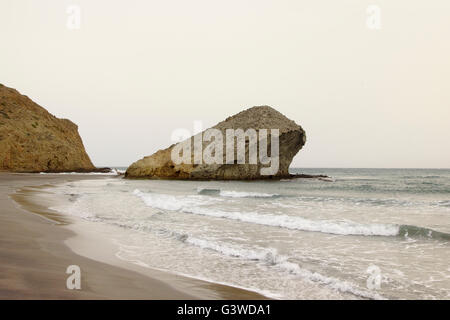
[33, 140]
[292, 137]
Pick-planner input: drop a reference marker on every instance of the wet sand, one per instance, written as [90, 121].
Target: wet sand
[37, 246]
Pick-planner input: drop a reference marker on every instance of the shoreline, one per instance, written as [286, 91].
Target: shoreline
[38, 245]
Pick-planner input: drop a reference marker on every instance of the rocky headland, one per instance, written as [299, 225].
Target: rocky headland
[33, 140]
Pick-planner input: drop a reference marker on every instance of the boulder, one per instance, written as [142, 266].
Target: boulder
[33, 140]
[260, 119]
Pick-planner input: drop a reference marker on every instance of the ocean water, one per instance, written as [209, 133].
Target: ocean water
[367, 233]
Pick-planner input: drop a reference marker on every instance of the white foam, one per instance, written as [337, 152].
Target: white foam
[188, 204]
[171, 202]
[298, 223]
[119, 254]
[238, 194]
[271, 258]
[113, 172]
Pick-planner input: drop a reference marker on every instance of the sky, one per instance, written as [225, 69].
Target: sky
[369, 81]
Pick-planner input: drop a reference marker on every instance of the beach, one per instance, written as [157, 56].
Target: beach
[361, 234]
[34, 255]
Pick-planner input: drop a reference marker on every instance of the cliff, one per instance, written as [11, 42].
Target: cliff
[33, 140]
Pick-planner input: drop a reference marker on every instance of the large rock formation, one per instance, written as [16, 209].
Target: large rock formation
[33, 140]
[160, 165]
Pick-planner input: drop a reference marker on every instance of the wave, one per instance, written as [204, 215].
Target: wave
[443, 203]
[302, 224]
[271, 258]
[191, 205]
[373, 202]
[113, 172]
[208, 192]
[421, 177]
[170, 202]
[409, 231]
[238, 194]
[235, 194]
[267, 256]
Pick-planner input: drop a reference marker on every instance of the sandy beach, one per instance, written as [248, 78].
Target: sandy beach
[34, 255]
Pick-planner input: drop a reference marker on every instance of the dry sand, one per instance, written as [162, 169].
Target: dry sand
[34, 255]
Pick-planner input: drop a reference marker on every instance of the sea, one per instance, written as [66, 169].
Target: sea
[362, 234]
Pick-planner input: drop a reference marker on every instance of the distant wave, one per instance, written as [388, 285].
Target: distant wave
[235, 194]
[443, 203]
[422, 177]
[192, 205]
[208, 192]
[110, 173]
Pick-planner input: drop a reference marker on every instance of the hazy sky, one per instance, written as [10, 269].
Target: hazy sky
[137, 70]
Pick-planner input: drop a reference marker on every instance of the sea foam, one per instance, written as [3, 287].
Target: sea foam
[234, 194]
[271, 258]
[192, 205]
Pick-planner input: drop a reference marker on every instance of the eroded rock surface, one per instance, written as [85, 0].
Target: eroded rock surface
[292, 137]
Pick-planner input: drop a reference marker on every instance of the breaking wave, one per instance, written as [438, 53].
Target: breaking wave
[271, 258]
[420, 232]
[235, 194]
[193, 205]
